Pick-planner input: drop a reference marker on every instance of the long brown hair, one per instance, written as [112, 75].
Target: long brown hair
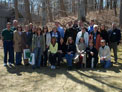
[53, 38]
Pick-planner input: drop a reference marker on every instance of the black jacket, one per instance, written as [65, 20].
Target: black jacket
[71, 48]
[104, 35]
[114, 35]
[62, 47]
[89, 56]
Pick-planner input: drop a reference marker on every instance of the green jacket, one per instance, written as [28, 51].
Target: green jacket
[35, 40]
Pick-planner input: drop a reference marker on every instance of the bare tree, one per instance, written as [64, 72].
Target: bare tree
[27, 10]
[44, 13]
[101, 6]
[16, 9]
[63, 9]
[120, 17]
[49, 7]
[115, 6]
[81, 10]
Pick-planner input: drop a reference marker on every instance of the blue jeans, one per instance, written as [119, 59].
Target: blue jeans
[18, 58]
[106, 64]
[37, 52]
[69, 58]
[8, 47]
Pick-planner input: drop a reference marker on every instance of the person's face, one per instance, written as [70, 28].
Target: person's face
[54, 30]
[15, 23]
[45, 30]
[92, 23]
[81, 40]
[31, 26]
[95, 29]
[19, 28]
[113, 26]
[61, 40]
[83, 30]
[38, 31]
[70, 41]
[34, 29]
[102, 27]
[26, 28]
[8, 26]
[102, 43]
[91, 44]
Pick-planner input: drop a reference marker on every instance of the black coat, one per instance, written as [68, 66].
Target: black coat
[71, 48]
[114, 35]
[104, 35]
[89, 57]
[62, 47]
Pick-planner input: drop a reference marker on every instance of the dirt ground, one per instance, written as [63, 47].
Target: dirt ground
[25, 79]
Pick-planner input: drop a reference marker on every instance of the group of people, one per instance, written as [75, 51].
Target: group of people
[80, 45]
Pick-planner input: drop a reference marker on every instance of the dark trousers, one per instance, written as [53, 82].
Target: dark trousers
[18, 58]
[60, 58]
[8, 47]
[114, 47]
[44, 58]
[52, 58]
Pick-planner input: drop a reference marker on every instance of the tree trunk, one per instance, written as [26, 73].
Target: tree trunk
[44, 13]
[120, 17]
[63, 9]
[81, 10]
[115, 6]
[86, 7]
[101, 6]
[73, 7]
[49, 10]
[111, 4]
[16, 9]
[107, 4]
[27, 10]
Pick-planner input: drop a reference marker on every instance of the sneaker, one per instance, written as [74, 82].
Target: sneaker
[54, 67]
[51, 67]
[10, 64]
[5, 64]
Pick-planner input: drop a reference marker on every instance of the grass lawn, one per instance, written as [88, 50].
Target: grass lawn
[25, 79]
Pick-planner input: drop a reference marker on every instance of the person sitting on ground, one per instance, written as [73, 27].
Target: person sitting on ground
[91, 56]
[80, 58]
[61, 51]
[53, 49]
[105, 55]
[70, 52]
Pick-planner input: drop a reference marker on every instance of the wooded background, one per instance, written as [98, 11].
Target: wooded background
[43, 11]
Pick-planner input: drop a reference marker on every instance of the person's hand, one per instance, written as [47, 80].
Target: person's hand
[69, 52]
[92, 53]
[118, 43]
[102, 58]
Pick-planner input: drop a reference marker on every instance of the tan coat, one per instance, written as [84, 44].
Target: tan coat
[17, 41]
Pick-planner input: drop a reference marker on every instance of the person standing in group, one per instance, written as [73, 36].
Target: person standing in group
[83, 34]
[47, 37]
[96, 37]
[38, 47]
[7, 38]
[105, 55]
[53, 49]
[104, 33]
[55, 33]
[70, 52]
[15, 24]
[91, 27]
[18, 44]
[60, 29]
[27, 41]
[114, 36]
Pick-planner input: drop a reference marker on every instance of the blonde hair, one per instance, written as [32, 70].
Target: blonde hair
[69, 38]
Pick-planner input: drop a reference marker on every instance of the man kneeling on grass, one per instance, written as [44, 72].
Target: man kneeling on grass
[105, 55]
